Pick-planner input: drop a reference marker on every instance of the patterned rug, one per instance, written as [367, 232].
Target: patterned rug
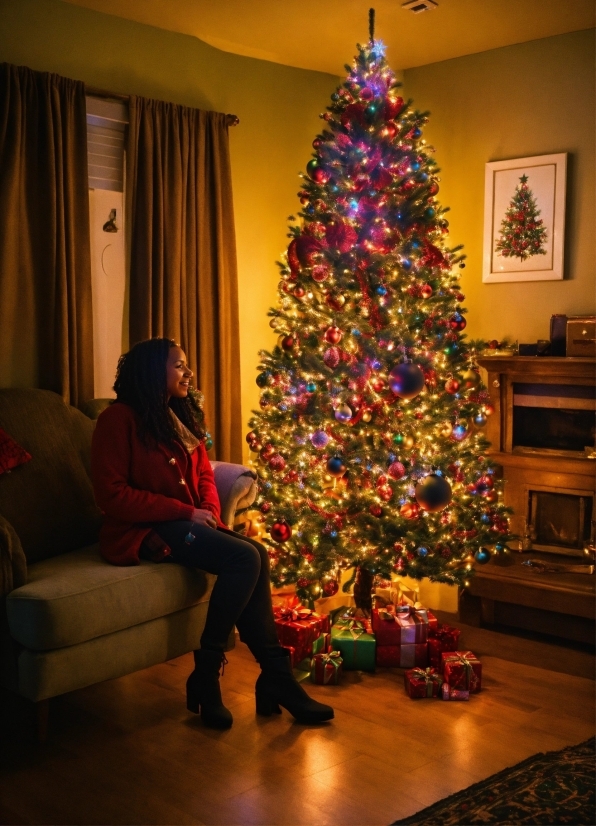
[553, 788]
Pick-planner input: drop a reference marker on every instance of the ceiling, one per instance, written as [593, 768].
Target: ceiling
[321, 34]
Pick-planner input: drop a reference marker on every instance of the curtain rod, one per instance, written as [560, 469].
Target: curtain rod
[231, 120]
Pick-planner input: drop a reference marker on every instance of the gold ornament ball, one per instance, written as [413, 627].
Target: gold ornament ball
[445, 430]
[408, 441]
[469, 379]
[366, 416]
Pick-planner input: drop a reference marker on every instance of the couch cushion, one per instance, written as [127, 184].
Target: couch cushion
[77, 597]
[48, 501]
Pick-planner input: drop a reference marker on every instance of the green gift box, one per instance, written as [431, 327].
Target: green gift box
[356, 642]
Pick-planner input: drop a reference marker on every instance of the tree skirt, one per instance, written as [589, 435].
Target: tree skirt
[556, 787]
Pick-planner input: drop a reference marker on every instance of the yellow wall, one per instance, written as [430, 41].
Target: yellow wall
[530, 99]
[534, 98]
[278, 107]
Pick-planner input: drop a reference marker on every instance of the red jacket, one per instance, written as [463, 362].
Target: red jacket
[136, 485]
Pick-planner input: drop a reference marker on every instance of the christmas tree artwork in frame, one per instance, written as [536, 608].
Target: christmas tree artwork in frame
[369, 443]
[524, 219]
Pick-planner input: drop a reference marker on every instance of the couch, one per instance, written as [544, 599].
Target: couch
[68, 619]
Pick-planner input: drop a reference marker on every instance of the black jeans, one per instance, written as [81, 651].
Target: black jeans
[241, 596]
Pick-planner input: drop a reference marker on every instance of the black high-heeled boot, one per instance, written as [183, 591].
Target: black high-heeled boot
[276, 686]
[203, 694]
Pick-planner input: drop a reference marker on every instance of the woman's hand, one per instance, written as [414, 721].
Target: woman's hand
[204, 517]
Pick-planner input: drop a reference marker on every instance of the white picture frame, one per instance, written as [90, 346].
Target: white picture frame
[546, 178]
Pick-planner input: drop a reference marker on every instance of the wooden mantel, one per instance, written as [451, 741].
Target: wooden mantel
[505, 591]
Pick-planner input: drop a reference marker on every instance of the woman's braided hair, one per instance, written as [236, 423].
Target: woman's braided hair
[141, 382]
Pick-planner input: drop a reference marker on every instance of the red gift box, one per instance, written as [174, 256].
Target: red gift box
[422, 682]
[409, 655]
[326, 669]
[444, 638]
[298, 628]
[462, 670]
[391, 628]
[433, 623]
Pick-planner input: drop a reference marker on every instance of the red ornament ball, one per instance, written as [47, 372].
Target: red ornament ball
[299, 291]
[280, 531]
[377, 384]
[335, 300]
[277, 462]
[396, 470]
[267, 451]
[376, 510]
[331, 357]
[333, 335]
[320, 272]
[288, 343]
[385, 492]
[302, 582]
[451, 386]
[426, 291]
[265, 507]
[330, 587]
[410, 510]
[457, 322]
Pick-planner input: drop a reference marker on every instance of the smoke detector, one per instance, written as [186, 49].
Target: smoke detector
[418, 6]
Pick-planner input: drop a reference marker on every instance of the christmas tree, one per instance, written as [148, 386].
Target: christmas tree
[522, 232]
[369, 443]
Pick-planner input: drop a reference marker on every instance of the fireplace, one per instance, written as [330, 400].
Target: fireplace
[542, 437]
[560, 521]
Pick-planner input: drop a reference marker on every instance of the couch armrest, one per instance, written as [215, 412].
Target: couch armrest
[237, 489]
[13, 563]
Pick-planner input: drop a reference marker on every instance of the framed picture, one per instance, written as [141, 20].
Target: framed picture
[524, 219]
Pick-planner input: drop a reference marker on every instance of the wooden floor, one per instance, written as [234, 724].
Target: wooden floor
[127, 752]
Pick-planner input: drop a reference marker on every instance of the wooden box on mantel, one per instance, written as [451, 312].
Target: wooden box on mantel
[542, 435]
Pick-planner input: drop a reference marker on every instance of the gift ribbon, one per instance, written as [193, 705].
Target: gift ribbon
[429, 676]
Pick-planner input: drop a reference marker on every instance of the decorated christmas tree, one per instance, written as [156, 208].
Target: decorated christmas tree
[523, 233]
[369, 443]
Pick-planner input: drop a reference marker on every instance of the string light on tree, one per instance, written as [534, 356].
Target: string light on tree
[369, 443]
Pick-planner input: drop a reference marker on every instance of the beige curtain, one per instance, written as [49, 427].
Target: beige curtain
[46, 334]
[183, 279]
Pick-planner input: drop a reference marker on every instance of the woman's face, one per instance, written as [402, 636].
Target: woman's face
[178, 374]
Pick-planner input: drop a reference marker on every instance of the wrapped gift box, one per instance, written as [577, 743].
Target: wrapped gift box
[394, 628]
[299, 628]
[422, 682]
[326, 669]
[409, 655]
[462, 670]
[321, 644]
[443, 638]
[354, 639]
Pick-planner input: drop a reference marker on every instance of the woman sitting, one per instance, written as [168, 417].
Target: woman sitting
[154, 483]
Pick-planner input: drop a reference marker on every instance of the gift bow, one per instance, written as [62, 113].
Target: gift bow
[332, 658]
[354, 626]
[292, 614]
[401, 595]
[429, 676]
[389, 616]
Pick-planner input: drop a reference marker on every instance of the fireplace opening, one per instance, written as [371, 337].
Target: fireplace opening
[554, 417]
[559, 522]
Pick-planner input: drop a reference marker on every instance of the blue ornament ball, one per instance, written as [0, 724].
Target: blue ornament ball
[319, 439]
[482, 556]
[485, 519]
[406, 380]
[311, 387]
[335, 466]
[422, 551]
[343, 413]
